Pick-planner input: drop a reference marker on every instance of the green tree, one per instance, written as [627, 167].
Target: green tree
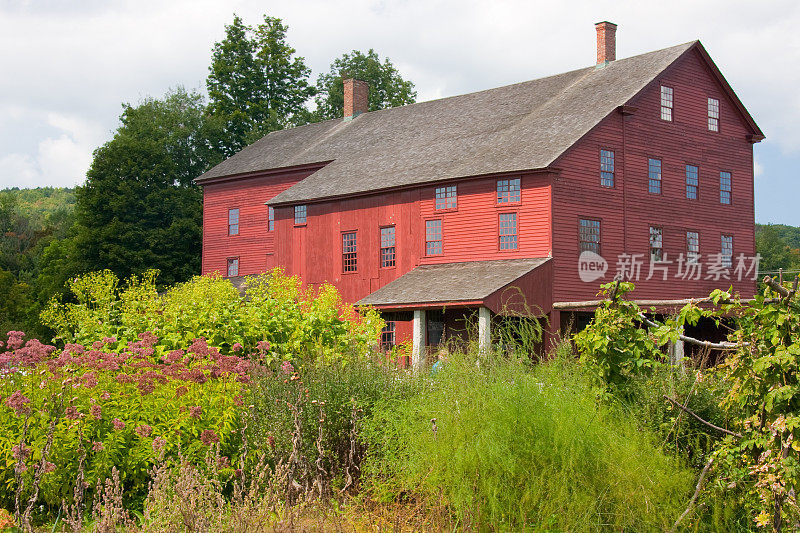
[139, 208]
[775, 253]
[386, 87]
[256, 83]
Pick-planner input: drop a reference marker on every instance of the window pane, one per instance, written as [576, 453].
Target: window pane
[726, 249]
[387, 247]
[589, 235]
[233, 266]
[300, 214]
[713, 114]
[666, 103]
[271, 219]
[349, 260]
[692, 246]
[692, 182]
[433, 237]
[233, 222]
[446, 197]
[508, 231]
[388, 335]
[606, 168]
[724, 187]
[508, 191]
[654, 175]
[655, 244]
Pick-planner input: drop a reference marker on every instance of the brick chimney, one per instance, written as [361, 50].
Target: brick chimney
[356, 98]
[606, 42]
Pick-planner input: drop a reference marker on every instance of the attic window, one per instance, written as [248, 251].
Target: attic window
[233, 222]
[300, 212]
[666, 103]
[713, 114]
[606, 168]
[508, 191]
[446, 197]
[387, 247]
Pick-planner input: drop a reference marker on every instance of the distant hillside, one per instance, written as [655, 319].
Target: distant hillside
[788, 234]
[42, 207]
[779, 246]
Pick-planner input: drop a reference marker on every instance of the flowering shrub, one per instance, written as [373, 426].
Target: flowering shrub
[105, 408]
[278, 319]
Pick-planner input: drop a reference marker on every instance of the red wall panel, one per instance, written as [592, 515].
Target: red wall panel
[627, 210]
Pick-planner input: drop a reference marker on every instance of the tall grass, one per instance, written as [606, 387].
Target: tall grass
[509, 445]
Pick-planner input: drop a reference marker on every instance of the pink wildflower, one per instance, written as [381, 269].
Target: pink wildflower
[14, 340]
[180, 391]
[144, 430]
[90, 380]
[71, 413]
[287, 368]
[97, 446]
[96, 411]
[49, 467]
[159, 443]
[196, 411]
[118, 424]
[209, 437]
[237, 347]
[223, 462]
[105, 396]
[263, 346]
[18, 401]
[20, 450]
[109, 340]
[238, 401]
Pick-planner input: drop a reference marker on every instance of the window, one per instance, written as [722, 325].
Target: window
[692, 247]
[726, 250]
[589, 235]
[666, 103]
[508, 191]
[656, 249]
[724, 187]
[692, 181]
[654, 175]
[508, 231]
[233, 266]
[387, 247]
[388, 335]
[349, 259]
[713, 114]
[446, 197]
[233, 222]
[300, 213]
[270, 219]
[433, 237]
[606, 168]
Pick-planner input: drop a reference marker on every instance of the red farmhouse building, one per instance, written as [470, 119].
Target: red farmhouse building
[480, 202]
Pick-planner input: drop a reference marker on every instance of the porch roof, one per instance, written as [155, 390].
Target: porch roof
[452, 283]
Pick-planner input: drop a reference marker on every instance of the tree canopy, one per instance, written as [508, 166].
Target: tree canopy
[256, 83]
[386, 87]
[139, 208]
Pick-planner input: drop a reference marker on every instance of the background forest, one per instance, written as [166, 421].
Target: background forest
[138, 209]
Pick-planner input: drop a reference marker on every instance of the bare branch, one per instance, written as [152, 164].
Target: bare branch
[696, 494]
[696, 342]
[775, 286]
[696, 417]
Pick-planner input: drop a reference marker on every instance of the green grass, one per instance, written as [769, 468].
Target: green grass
[523, 447]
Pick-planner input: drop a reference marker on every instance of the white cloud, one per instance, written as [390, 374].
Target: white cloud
[68, 66]
[758, 169]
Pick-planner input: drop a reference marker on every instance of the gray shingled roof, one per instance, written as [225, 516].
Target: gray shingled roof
[452, 282]
[517, 127]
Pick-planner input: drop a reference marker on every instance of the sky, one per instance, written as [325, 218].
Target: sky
[66, 67]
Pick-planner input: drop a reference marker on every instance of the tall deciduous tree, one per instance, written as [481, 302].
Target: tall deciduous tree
[256, 83]
[386, 87]
[139, 208]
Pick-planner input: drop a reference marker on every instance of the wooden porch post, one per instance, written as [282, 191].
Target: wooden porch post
[418, 349]
[484, 329]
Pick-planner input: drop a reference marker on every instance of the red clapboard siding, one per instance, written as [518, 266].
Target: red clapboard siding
[627, 210]
[470, 232]
[253, 243]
